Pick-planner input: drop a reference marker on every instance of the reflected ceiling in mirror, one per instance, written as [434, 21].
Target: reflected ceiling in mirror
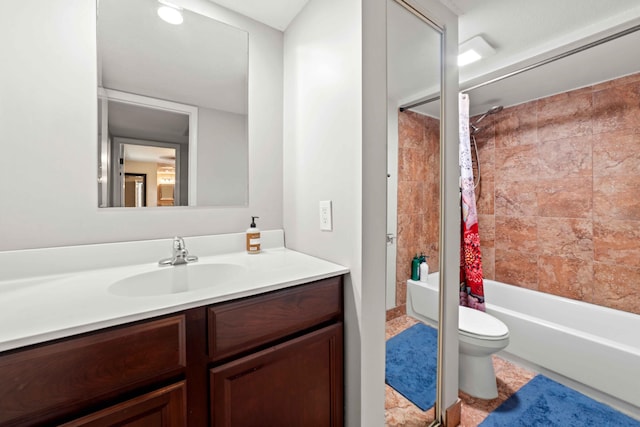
[159, 74]
[413, 49]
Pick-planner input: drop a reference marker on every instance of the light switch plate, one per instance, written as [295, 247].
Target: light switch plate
[326, 220]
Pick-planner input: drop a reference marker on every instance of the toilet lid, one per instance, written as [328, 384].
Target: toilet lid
[479, 323]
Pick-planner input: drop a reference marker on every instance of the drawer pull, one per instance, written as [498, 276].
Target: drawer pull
[247, 372]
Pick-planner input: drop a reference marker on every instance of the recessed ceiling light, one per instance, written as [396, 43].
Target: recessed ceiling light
[473, 50]
[468, 57]
[170, 12]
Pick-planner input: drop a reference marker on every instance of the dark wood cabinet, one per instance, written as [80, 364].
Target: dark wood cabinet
[165, 407]
[243, 325]
[297, 383]
[274, 359]
[47, 382]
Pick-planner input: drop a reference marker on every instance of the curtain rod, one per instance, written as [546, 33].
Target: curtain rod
[532, 66]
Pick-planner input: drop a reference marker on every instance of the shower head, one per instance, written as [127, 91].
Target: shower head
[493, 110]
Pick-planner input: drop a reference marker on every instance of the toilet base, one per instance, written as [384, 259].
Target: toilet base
[477, 377]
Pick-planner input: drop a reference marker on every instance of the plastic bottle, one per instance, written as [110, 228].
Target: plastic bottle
[415, 268]
[253, 237]
[424, 270]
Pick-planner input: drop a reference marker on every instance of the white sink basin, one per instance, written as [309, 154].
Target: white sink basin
[177, 279]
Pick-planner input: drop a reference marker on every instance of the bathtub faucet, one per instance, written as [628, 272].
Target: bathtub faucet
[180, 254]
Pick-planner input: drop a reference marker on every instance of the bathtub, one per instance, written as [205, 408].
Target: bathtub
[595, 346]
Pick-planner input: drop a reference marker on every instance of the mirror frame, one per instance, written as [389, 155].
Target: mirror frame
[449, 251]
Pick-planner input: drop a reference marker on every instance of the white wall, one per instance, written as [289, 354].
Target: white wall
[222, 151]
[335, 148]
[48, 109]
[324, 159]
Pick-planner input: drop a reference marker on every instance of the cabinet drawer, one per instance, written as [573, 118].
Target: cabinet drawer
[81, 370]
[242, 325]
[165, 407]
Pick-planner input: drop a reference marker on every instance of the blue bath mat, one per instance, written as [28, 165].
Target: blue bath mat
[544, 402]
[411, 364]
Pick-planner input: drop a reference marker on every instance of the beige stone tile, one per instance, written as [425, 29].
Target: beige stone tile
[487, 230]
[401, 292]
[486, 153]
[516, 126]
[565, 115]
[516, 234]
[517, 268]
[432, 132]
[399, 324]
[410, 197]
[488, 263]
[406, 229]
[617, 153]
[617, 287]
[566, 237]
[485, 199]
[568, 197]
[403, 265]
[616, 108]
[516, 198]
[565, 157]
[412, 164]
[400, 310]
[410, 130]
[519, 163]
[616, 197]
[565, 277]
[617, 242]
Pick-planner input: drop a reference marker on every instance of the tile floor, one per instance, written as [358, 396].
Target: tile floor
[399, 412]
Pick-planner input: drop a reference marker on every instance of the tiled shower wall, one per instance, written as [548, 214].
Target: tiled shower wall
[418, 196]
[559, 199]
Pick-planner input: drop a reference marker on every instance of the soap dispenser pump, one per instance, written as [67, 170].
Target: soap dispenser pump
[253, 237]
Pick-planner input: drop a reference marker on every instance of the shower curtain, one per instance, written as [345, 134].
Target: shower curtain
[471, 287]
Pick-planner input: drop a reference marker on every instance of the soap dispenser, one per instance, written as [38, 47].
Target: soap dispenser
[253, 237]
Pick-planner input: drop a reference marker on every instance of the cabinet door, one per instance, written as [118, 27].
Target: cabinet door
[297, 383]
[161, 408]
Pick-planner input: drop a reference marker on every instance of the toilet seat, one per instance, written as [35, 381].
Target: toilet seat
[474, 323]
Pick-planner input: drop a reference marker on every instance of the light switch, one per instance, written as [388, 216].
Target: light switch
[326, 221]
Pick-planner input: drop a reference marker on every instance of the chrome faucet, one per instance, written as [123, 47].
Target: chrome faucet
[180, 254]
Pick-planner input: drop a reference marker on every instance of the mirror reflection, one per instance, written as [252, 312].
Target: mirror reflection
[172, 86]
[413, 205]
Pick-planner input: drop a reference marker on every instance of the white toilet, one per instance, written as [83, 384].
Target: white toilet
[480, 335]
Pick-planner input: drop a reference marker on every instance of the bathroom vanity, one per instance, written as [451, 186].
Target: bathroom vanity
[268, 356]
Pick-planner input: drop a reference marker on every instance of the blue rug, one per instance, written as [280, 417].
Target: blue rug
[544, 402]
[411, 364]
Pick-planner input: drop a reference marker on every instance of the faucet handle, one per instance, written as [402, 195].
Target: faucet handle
[178, 243]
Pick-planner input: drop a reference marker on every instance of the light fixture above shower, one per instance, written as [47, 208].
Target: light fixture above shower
[473, 50]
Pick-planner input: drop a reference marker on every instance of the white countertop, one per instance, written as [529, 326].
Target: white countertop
[42, 308]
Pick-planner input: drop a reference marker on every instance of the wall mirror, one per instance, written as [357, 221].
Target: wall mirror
[413, 158]
[172, 108]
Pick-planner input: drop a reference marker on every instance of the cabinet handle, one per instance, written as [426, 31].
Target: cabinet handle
[247, 372]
